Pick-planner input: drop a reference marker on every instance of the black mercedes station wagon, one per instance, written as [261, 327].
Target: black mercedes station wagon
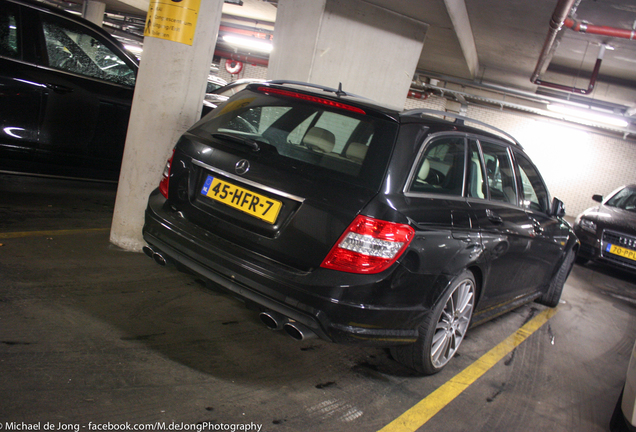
[339, 218]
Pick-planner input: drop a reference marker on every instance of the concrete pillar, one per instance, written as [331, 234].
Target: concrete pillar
[94, 11]
[168, 100]
[372, 50]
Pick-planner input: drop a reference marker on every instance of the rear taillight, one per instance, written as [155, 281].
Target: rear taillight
[165, 179]
[369, 246]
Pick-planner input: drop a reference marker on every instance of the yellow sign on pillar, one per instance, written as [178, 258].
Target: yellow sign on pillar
[173, 20]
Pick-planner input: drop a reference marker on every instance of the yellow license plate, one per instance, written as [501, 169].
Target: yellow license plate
[253, 204]
[621, 251]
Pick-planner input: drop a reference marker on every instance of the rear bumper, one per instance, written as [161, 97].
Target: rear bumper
[338, 307]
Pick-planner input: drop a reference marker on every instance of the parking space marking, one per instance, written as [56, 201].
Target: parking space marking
[50, 233]
[424, 410]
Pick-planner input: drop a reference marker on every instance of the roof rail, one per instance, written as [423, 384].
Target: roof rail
[463, 118]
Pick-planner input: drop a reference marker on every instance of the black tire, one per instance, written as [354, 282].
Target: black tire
[581, 260]
[443, 329]
[553, 294]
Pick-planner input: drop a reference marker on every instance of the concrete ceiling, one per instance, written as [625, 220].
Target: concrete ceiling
[498, 42]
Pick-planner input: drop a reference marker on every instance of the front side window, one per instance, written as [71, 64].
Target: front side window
[440, 170]
[499, 173]
[9, 46]
[535, 194]
[73, 49]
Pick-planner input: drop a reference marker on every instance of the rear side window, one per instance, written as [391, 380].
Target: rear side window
[75, 49]
[499, 173]
[349, 143]
[9, 46]
[476, 183]
[535, 194]
[440, 170]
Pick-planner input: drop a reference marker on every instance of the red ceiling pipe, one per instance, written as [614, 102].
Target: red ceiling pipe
[582, 27]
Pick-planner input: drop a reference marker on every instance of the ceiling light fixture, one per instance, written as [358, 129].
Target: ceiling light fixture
[588, 114]
[253, 43]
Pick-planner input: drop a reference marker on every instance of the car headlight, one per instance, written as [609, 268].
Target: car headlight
[588, 225]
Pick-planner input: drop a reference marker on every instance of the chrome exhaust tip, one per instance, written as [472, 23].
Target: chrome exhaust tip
[148, 251]
[157, 256]
[160, 259]
[272, 320]
[298, 331]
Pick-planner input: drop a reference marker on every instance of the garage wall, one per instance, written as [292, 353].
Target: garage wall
[249, 71]
[575, 163]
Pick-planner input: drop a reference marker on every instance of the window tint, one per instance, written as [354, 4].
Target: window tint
[499, 173]
[336, 140]
[72, 48]
[211, 86]
[8, 31]
[625, 199]
[441, 167]
[476, 184]
[535, 194]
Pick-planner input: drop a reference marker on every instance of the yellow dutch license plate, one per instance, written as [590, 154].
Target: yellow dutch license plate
[621, 251]
[253, 204]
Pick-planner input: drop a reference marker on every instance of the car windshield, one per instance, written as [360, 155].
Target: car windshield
[625, 199]
[339, 140]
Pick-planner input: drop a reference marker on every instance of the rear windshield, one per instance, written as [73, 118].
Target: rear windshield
[340, 142]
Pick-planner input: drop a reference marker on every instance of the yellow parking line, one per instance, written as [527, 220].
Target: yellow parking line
[50, 233]
[424, 410]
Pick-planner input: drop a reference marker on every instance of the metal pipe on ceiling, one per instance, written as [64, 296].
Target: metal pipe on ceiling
[572, 89]
[561, 12]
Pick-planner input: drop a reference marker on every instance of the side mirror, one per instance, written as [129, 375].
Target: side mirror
[558, 208]
[597, 198]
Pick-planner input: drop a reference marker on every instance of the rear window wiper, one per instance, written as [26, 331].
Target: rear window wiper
[249, 142]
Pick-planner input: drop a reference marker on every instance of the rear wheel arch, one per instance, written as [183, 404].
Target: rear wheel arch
[479, 282]
[443, 327]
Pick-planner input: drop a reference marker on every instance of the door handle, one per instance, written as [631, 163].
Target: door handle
[493, 217]
[538, 229]
[58, 88]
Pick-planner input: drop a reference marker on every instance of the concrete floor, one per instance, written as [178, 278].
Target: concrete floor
[92, 335]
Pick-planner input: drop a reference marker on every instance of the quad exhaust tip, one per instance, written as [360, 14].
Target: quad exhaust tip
[157, 256]
[298, 331]
[275, 321]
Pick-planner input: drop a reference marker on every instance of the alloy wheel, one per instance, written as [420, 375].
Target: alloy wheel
[453, 323]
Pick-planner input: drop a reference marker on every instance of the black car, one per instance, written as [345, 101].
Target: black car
[608, 231]
[66, 88]
[340, 218]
